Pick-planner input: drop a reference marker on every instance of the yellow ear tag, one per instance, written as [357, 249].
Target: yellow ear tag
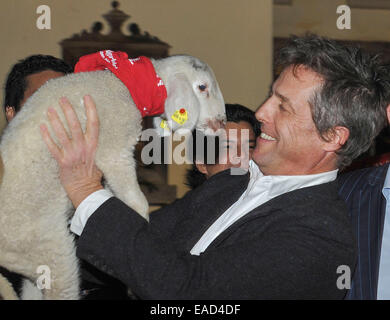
[180, 116]
[163, 124]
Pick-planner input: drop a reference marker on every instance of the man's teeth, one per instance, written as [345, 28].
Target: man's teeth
[267, 137]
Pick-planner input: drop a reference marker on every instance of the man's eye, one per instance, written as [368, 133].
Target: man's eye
[282, 108]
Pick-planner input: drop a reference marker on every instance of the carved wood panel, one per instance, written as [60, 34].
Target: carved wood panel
[152, 178]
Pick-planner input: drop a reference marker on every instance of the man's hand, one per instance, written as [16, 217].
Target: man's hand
[76, 156]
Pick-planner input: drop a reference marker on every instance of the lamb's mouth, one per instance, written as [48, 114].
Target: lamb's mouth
[213, 124]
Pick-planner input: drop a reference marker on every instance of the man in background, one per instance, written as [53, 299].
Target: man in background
[367, 193]
[27, 76]
[239, 119]
[24, 78]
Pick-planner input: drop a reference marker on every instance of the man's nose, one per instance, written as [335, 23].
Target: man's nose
[263, 113]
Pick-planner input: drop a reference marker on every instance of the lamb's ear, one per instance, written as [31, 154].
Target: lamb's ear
[181, 101]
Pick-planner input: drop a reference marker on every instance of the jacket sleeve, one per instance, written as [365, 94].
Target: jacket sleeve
[291, 261]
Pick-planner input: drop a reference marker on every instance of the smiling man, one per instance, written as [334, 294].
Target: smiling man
[290, 143]
[279, 232]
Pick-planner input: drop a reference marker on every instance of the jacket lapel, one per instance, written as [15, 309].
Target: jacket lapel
[287, 200]
[211, 200]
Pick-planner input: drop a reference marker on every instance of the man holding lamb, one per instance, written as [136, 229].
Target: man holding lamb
[278, 232]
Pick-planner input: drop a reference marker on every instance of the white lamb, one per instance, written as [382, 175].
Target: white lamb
[35, 210]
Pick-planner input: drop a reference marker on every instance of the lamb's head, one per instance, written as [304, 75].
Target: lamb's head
[194, 99]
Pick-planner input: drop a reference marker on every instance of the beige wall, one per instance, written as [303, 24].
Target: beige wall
[319, 16]
[234, 37]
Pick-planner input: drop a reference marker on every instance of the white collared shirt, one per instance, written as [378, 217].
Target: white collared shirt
[260, 190]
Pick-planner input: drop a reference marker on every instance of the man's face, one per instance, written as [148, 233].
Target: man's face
[388, 113]
[237, 146]
[37, 80]
[34, 82]
[290, 143]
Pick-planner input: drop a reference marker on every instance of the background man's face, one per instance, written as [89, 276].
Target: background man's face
[388, 114]
[34, 82]
[290, 143]
[238, 148]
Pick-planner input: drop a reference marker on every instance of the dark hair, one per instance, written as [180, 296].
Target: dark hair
[16, 83]
[194, 178]
[237, 113]
[354, 94]
[234, 113]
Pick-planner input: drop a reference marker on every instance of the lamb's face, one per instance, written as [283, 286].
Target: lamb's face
[194, 98]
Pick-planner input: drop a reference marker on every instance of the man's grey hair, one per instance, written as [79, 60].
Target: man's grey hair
[354, 94]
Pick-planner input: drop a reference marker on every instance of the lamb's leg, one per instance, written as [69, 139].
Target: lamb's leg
[6, 290]
[55, 272]
[45, 255]
[30, 291]
[120, 174]
[64, 269]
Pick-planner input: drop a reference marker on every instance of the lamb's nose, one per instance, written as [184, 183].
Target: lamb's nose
[216, 124]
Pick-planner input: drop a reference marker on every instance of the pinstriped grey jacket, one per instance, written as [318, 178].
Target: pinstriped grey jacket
[362, 191]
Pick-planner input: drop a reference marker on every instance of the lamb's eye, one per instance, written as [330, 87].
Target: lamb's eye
[202, 87]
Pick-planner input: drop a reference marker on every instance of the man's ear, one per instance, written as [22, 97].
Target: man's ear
[336, 138]
[388, 113]
[9, 113]
[201, 167]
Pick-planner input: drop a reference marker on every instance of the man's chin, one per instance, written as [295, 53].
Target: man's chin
[257, 157]
[266, 166]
